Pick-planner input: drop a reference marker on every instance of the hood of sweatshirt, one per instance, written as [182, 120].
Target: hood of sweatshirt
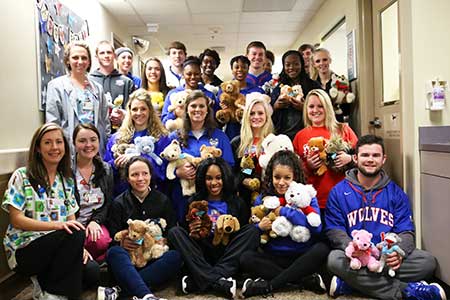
[351, 175]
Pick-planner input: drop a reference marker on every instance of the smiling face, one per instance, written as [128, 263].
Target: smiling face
[370, 159]
[292, 65]
[105, 55]
[51, 147]
[209, 65]
[282, 176]
[197, 110]
[315, 111]
[258, 116]
[307, 56]
[139, 177]
[125, 62]
[322, 61]
[140, 114]
[214, 183]
[79, 60]
[192, 76]
[153, 71]
[256, 56]
[239, 70]
[86, 144]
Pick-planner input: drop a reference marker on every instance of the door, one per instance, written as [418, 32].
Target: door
[386, 121]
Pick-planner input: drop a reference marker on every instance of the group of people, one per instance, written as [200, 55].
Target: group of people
[79, 189]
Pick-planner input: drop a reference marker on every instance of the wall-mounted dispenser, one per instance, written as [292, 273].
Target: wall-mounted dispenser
[436, 93]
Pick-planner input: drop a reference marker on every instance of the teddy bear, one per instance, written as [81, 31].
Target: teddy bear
[177, 104]
[340, 92]
[232, 100]
[266, 209]
[389, 244]
[156, 228]
[362, 252]
[317, 145]
[123, 148]
[248, 169]
[270, 85]
[198, 210]
[283, 227]
[207, 152]
[295, 91]
[115, 106]
[146, 145]
[333, 146]
[138, 231]
[172, 153]
[298, 196]
[225, 225]
[271, 144]
[157, 99]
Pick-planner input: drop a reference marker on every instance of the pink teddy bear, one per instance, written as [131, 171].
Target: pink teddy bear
[362, 252]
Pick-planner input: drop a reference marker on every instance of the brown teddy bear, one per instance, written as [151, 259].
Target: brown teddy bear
[207, 152]
[232, 101]
[250, 181]
[335, 145]
[173, 154]
[257, 214]
[138, 231]
[317, 145]
[198, 210]
[225, 225]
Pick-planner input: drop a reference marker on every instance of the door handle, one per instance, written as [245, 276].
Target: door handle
[376, 122]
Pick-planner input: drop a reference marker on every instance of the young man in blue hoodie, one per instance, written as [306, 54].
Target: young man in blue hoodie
[368, 199]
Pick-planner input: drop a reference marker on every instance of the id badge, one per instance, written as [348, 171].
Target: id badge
[87, 105]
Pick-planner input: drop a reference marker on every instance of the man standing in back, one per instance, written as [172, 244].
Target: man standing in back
[257, 75]
[177, 56]
[114, 84]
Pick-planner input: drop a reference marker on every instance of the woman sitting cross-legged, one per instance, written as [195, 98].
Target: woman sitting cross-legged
[209, 262]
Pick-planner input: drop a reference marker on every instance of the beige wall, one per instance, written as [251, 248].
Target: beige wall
[19, 114]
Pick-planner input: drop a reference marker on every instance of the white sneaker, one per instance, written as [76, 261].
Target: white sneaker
[148, 297]
[108, 293]
[47, 296]
[37, 291]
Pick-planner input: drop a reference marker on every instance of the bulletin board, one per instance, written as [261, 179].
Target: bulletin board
[57, 26]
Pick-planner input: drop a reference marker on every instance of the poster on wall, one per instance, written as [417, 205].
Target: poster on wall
[57, 26]
[351, 56]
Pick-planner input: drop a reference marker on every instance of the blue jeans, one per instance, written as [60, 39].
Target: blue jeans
[136, 282]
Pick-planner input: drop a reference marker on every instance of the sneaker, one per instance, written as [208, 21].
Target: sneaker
[187, 285]
[225, 287]
[148, 297]
[314, 283]
[108, 293]
[47, 296]
[37, 291]
[338, 287]
[256, 287]
[420, 291]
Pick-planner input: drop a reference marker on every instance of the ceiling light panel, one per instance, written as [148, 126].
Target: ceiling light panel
[267, 5]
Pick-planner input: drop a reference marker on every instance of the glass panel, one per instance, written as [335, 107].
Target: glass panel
[336, 42]
[390, 53]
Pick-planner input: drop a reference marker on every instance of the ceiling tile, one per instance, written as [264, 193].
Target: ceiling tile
[229, 18]
[214, 6]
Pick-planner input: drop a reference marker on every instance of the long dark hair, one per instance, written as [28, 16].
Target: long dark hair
[210, 124]
[302, 76]
[99, 171]
[163, 88]
[228, 187]
[284, 158]
[36, 171]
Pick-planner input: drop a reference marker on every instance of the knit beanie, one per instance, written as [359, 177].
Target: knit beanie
[122, 50]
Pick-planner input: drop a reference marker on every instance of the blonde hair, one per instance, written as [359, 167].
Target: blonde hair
[330, 118]
[246, 130]
[154, 126]
[314, 73]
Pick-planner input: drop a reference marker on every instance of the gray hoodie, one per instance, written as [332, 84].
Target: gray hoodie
[115, 84]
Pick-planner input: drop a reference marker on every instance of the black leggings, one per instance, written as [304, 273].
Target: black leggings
[56, 259]
[283, 269]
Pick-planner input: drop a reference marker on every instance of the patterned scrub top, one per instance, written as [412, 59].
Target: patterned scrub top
[55, 204]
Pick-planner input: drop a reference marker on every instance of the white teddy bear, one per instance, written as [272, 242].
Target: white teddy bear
[298, 196]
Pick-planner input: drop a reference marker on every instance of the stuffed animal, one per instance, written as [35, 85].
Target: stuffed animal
[362, 252]
[233, 100]
[271, 144]
[317, 145]
[257, 213]
[335, 145]
[156, 228]
[270, 85]
[340, 92]
[146, 145]
[295, 91]
[116, 105]
[176, 158]
[207, 152]
[389, 245]
[248, 169]
[177, 103]
[120, 149]
[157, 100]
[225, 225]
[298, 196]
[138, 231]
[198, 210]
